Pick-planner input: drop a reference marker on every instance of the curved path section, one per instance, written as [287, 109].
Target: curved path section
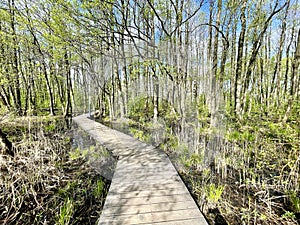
[146, 188]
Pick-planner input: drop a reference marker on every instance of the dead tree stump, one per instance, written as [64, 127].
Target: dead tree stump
[6, 144]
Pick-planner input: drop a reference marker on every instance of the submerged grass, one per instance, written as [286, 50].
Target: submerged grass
[44, 183]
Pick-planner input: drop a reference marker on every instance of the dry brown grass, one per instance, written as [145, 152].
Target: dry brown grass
[36, 184]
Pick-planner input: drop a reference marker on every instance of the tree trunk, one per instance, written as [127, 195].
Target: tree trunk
[275, 86]
[214, 87]
[295, 73]
[15, 66]
[68, 103]
[239, 63]
[233, 68]
[209, 47]
[45, 73]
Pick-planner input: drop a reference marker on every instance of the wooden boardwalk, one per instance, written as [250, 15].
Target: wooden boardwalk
[146, 188]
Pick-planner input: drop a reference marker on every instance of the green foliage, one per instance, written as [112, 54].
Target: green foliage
[171, 142]
[248, 136]
[289, 215]
[75, 154]
[203, 110]
[139, 134]
[50, 127]
[65, 212]
[99, 188]
[284, 132]
[245, 134]
[295, 200]
[196, 159]
[191, 161]
[68, 190]
[214, 192]
[140, 109]
[136, 133]
[233, 136]
[167, 111]
[185, 161]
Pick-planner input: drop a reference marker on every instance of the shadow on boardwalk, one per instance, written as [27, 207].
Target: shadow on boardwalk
[146, 188]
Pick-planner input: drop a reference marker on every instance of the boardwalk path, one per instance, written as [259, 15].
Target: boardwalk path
[146, 188]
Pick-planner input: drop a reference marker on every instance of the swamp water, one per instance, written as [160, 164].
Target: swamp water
[98, 157]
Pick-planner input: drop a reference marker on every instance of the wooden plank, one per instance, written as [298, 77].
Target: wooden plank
[114, 200]
[153, 217]
[196, 221]
[146, 188]
[144, 175]
[142, 209]
[158, 182]
[140, 187]
[177, 222]
[141, 170]
[141, 181]
[147, 193]
[137, 165]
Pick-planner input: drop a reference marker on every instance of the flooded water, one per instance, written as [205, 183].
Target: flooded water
[99, 158]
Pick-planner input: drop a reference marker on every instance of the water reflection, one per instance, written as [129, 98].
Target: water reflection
[99, 158]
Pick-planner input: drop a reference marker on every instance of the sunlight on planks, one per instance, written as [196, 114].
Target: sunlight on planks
[146, 188]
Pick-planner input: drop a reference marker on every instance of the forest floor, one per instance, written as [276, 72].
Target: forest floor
[60, 176]
[51, 179]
